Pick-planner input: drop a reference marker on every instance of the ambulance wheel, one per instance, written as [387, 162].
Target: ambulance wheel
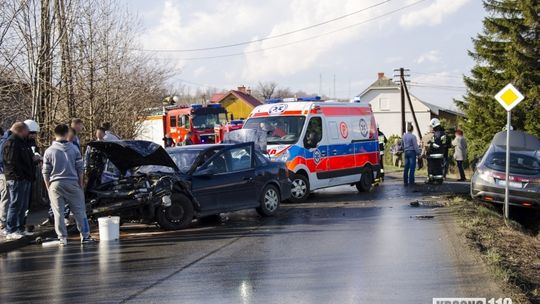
[299, 188]
[178, 215]
[366, 181]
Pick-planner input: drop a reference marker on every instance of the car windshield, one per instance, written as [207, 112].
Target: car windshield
[521, 162]
[279, 129]
[205, 121]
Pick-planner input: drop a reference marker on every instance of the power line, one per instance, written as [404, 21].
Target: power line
[438, 85]
[305, 39]
[442, 74]
[268, 37]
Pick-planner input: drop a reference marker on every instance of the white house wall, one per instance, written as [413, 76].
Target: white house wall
[386, 105]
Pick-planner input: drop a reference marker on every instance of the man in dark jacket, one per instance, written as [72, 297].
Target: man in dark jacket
[19, 170]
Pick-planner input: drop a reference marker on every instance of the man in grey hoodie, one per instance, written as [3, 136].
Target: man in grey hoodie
[63, 170]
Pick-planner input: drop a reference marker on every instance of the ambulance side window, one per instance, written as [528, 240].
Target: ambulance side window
[172, 121]
[313, 133]
[334, 133]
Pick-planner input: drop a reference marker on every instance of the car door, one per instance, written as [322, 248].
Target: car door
[316, 145]
[225, 181]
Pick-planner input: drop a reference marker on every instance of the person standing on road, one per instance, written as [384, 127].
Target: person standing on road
[382, 143]
[411, 152]
[397, 153]
[19, 169]
[4, 193]
[95, 162]
[168, 141]
[63, 172]
[187, 139]
[78, 126]
[460, 153]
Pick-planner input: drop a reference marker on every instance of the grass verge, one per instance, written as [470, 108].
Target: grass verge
[512, 252]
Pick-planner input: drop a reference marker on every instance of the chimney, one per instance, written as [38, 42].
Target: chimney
[242, 89]
[380, 75]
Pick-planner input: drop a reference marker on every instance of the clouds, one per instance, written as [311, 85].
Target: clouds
[432, 56]
[432, 14]
[289, 60]
[354, 55]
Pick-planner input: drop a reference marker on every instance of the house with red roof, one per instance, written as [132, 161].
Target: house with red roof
[238, 103]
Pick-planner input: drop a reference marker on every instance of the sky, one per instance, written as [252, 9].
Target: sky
[429, 37]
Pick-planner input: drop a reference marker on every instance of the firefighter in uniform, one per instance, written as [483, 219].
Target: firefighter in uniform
[382, 143]
[435, 147]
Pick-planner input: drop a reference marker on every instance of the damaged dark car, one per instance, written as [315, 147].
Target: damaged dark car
[141, 181]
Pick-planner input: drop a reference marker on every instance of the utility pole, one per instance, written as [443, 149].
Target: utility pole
[404, 86]
[401, 77]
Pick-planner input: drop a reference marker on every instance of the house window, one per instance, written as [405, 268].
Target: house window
[384, 104]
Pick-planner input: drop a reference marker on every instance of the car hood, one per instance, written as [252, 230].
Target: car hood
[127, 154]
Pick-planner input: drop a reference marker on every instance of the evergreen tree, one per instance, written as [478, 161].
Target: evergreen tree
[507, 51]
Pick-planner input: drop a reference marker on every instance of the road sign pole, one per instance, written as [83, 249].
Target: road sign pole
[507, 173]
[508, 97]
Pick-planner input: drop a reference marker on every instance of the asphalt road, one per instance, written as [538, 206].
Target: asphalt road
[341, 247]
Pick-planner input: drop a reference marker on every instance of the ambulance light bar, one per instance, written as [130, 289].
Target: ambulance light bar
[292, 99]
[214, 105]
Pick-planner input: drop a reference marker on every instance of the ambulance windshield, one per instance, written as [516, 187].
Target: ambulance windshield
[279, 129]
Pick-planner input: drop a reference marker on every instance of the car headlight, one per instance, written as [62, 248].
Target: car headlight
[283, 157]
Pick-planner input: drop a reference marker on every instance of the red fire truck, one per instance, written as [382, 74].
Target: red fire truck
[207, 124]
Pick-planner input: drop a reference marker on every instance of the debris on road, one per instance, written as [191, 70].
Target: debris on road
[423, 217]
[427, 204]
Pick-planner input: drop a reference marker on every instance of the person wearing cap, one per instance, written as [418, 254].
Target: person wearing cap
[33, 130]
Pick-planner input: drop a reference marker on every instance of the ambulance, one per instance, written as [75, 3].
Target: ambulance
[324, 144]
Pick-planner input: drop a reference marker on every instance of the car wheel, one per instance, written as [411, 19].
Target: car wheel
[178, 215]
[366, 181]
[299, 188]
[269, 201]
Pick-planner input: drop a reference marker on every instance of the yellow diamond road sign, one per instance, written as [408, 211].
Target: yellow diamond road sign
[509, 97]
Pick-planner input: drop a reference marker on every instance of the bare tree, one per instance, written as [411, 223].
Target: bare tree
[265, 90]
[72, 58]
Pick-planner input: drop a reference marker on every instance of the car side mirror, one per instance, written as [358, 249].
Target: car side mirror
[206, 172]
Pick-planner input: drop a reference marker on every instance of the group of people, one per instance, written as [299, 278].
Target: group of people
[408, 150]
[168, 141]
[62, 168]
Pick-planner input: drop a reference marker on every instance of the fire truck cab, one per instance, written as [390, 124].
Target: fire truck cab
[206, 124]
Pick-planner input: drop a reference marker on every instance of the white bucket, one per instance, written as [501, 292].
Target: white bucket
[109, 228]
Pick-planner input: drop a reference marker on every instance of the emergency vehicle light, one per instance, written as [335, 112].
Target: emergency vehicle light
[309, 98]
[273, 100]
[196, 106]
[214, 105]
